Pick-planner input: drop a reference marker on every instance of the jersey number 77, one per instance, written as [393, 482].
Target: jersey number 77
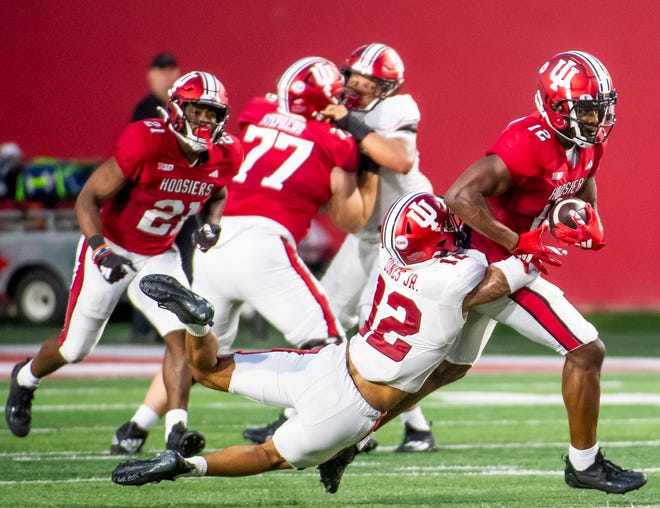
[271, 138]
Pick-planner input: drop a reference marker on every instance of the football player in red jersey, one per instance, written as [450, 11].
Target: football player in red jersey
[296, 163]
[424, 289]
[504, 198]
[130, 211]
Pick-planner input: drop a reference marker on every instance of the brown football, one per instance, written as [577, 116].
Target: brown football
[560, 212]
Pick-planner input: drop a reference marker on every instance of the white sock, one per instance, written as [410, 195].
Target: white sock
[365, 440]
[582, 459]
[145, 417]
[199, 466]
[26, 378]
[415, 418]
[289, 412]
[174, 416]
[197, 330]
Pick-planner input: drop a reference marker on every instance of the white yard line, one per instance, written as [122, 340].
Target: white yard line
[114, 361]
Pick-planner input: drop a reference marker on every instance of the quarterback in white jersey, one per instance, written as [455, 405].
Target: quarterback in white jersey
[384, 123]
[340, 391]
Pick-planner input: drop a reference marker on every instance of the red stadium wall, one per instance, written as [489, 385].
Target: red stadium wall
[72, 71]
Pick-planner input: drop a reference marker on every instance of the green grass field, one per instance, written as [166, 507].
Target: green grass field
[500, 437]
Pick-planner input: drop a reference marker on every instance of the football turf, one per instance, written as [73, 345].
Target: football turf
[501, 438]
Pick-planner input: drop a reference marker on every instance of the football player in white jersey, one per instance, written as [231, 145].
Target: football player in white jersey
[384, 122]
[425, 288]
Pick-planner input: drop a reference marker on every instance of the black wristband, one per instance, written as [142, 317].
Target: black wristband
[367, 165]
[355, 126]
[95, 241]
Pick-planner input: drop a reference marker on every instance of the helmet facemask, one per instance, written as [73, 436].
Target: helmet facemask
[352, 97]
[586, 133]
[574, 114]
[198, 136]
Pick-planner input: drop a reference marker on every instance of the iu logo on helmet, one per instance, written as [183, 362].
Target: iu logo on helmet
[323, 73]
[562, 75]
[424, 215]
[325, 76]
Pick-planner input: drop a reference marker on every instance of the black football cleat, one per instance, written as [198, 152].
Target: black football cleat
[170, 294]
[332, 470]
[18, 411]
[416, 441]
[603, 475]
[184, 441]
[168, 465]
[260, 435]
[128, 439]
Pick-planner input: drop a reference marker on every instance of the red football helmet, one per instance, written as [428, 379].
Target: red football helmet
[308, 86]
[379, 63]
[198, 88]
[571, 83]
[419, 227]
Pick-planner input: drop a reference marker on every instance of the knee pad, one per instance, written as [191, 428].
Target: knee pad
[72, 354]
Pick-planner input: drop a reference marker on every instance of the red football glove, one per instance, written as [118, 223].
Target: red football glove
[588, 235]
[531, 250]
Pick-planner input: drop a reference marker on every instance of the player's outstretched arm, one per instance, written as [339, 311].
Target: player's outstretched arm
[351, 203]
[493, 287]
[395, 153]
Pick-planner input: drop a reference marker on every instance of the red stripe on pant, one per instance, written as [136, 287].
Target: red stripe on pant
[311, 285]
[541, 311]
[76, 285]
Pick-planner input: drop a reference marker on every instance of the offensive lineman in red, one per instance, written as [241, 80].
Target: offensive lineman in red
[504, 198]
[296, 164]
[130, 212]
